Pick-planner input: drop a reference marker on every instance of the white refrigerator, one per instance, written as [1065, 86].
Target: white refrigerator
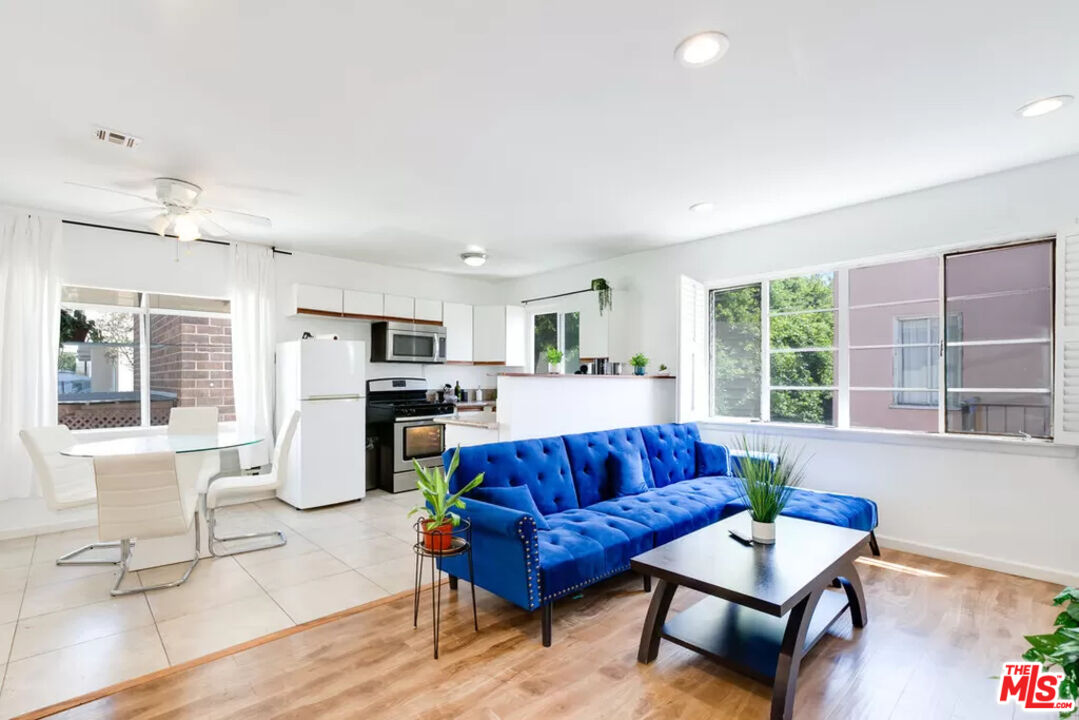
[324, 380]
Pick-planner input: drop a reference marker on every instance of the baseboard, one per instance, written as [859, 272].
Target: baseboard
[1053, 575]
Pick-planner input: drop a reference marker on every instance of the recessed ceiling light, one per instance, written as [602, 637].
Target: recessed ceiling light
[702, 207]
[702, 49]
[474, 258]
[1044, 106]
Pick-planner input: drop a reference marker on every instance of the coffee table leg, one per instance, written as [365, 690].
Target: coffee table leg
[790, 656]
[852, 584]
[653, 621]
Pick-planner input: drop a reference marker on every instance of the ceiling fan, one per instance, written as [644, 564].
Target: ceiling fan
[176, 207]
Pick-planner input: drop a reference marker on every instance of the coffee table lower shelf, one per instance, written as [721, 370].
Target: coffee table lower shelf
[743, 639]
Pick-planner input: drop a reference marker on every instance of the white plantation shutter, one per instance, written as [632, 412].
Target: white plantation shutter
[1066, 385]
[692, 350]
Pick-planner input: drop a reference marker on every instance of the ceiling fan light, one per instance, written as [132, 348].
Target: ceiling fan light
[186, 229]
[160, 224]
[473, 258]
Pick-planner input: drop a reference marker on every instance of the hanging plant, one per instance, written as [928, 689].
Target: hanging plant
[603, 291]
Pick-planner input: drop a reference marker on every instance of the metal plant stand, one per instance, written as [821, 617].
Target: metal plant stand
[451, 543]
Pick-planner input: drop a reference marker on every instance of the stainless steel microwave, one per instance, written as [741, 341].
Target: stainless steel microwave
[407, 343]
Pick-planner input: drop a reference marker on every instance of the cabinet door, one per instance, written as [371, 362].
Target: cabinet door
[515, 336]
[399, 306]
[358, 302]
[595, 329]
[489, 333]
[458, 321]
[323, 299]
[429, 310]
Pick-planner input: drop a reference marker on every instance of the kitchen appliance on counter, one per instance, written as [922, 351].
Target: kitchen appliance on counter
[324, 380]
[407, 343]
[402, 418]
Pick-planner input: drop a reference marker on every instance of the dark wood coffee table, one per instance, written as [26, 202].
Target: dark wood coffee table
[768, 604]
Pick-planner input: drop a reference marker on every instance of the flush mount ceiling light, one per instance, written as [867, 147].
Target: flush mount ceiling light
[474, 258]
[702, 208]
[1044, 106]
[702, 49]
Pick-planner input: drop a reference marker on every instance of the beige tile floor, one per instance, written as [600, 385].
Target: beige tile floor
[62, 635]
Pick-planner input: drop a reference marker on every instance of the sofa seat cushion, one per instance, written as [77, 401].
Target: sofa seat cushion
[583, 546]
[540, 464]
[668, 515]
[588, 455]
[672, 451]
[832, 508]
[719, 493]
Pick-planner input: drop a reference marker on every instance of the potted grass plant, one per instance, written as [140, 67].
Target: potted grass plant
[439, 521]
[554, 359]
[769, 471]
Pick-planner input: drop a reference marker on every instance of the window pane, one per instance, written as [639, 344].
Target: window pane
[803, 406]
[804, 330]
[804, 369]
[572, 359]
[1003, 413]
[736, 353]
[544, 335]
[878, 409]
[808, 292]
[190, 365]
[97, 381]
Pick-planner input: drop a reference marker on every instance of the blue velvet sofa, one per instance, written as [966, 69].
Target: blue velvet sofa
[581, 530]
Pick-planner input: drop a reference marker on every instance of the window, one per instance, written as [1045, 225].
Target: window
[862, 347]
[111, 340]
[558, 330]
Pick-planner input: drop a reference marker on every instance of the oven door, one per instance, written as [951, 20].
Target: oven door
[422, 440]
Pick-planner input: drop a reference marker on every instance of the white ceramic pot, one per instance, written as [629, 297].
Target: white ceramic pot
[764, 533]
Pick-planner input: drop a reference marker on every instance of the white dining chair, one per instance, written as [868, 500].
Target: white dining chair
[225, 488]
[143, 496]
[66, 482]
[196, 421]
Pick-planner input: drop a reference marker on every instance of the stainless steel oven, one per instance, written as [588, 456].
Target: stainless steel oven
[407, 342]
[419, 439]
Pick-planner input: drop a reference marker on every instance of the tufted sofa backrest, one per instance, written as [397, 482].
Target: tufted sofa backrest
[588, 453]
[672, 451]
[540, 464]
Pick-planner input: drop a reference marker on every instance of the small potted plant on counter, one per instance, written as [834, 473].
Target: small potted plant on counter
[663, 369]
[639, 363]
[554, 360]
[769, 470]
[440, 520]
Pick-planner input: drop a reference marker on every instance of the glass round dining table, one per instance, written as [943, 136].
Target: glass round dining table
[162, 443]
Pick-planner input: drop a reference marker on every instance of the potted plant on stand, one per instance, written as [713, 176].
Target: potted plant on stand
[639, 363]
[440, 520]
[769, 471]
[554, 360]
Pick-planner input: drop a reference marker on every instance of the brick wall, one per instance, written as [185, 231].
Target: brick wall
[192, 357]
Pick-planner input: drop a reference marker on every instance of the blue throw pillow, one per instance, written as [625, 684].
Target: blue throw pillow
[627, 473]
[514, 498]
[712, 459]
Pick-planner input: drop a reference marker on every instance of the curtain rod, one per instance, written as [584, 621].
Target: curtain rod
[553, 297]
[147, 232]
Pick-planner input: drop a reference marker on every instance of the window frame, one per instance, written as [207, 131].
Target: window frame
[843, 347]
[560, 333]
[142, 313]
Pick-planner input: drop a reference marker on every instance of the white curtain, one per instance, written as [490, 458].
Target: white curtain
[254, 296]
[29, 339]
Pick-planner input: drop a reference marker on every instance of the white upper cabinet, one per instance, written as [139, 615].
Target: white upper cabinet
[358, 302]
[319, 299]
[430, 310]
[498, 334]
[399, 306]
[457, 318]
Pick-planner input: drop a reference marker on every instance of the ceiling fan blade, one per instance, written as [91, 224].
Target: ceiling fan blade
[145, 211]
[254, 220]
[211, 228]
[144, 198]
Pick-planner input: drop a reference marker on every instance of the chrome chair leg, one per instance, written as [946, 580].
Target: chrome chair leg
[211, 527]
[125, 556]
[68, 558]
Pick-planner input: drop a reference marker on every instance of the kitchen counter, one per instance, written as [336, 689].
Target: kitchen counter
[483, 420]
[571, 376]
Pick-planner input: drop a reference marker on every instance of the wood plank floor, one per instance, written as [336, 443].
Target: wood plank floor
[937, 632]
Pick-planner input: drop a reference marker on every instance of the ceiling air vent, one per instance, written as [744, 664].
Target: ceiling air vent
[116, 138]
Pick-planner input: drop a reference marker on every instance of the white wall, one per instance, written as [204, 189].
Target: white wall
[1018, 510]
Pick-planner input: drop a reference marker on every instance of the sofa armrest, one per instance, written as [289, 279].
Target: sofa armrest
[505, 553]
[738, 455]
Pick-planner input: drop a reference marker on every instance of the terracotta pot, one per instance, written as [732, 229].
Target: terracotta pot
[438, 539]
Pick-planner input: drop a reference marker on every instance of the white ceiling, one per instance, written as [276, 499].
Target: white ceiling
[550, 132]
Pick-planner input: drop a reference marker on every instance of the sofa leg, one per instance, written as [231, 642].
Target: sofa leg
[547, 614]
[647, 583]
[453, 582]
[873, 543]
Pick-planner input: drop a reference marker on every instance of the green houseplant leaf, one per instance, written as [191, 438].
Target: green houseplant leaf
[1061, 647]
[434, 486]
